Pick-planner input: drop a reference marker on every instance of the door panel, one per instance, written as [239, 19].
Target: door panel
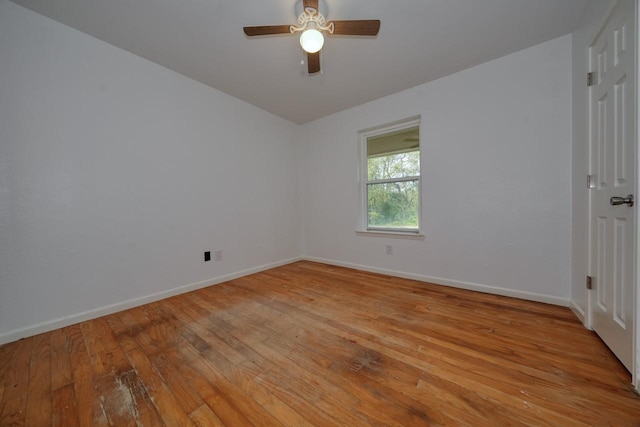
[612, 166]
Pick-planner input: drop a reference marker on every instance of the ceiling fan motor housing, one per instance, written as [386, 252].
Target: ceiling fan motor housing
[322, 8]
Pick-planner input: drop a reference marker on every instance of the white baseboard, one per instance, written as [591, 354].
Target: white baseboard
[530, 296]
[578, 311]
[135, 302]
[61, 322]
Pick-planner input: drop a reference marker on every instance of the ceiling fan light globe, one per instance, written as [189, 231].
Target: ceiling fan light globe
[311, 40]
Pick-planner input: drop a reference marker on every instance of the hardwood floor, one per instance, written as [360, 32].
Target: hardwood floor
[311, 344]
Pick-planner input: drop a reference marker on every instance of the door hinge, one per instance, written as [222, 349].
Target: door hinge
[591, 78]
[589, 282]
[591, 181]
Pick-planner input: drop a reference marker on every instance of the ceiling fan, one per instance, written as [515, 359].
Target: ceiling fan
[312, 23]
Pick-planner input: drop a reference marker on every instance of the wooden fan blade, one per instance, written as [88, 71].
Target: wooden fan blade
[366, 27]
[310, 3]
[313, 61]
[265, 30]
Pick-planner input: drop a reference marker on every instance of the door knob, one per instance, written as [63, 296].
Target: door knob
[615, 201]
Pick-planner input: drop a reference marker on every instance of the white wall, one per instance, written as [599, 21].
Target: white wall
[496, 143]
[592, 18]
[116, 174]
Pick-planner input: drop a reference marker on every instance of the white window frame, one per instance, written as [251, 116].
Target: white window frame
[363, 222]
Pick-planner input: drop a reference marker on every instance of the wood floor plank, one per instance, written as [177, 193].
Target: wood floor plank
[357, 363]
[61, 375]
[264, 371]
[218, 401]
[158, 391]
[367, 400]
[138, 399]
[38, 408]
[515, 348]
[203, 416]
[226, 400]
[167, 332]
[399, 332]
[224, 361]
[172, 388]
[314, 344]
[64, 408]
[15, 370]
[116, 382]
[89, 406]
[198, 344]
[187, 398]
[331, 316]
[105, 353]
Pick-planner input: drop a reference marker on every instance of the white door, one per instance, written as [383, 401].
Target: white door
[612, 175]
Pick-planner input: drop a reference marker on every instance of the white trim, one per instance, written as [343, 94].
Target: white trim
[135, 302]
[635, 375]
[394, 180]
[530, 296]
[579, 312]
[61, 322]
[392, 234]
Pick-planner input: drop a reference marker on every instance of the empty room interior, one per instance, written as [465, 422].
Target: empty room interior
[319, 212]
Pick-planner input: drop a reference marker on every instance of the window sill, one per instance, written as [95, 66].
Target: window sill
[392, 234]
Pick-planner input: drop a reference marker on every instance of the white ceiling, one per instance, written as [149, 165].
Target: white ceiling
[419, 41]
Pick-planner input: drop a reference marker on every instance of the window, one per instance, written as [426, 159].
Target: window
[391, 178]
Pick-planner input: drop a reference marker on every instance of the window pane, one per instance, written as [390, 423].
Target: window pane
[393, 166]
[393, 205]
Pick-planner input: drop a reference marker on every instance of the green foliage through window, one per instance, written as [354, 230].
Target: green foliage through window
[393, 166]
[393, 205]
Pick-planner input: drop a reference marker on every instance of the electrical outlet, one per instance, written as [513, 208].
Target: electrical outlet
[207, 256]
[388, 249]
[217, 255]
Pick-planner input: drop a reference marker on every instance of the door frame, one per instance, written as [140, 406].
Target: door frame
[636, 280]
[636, 343]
